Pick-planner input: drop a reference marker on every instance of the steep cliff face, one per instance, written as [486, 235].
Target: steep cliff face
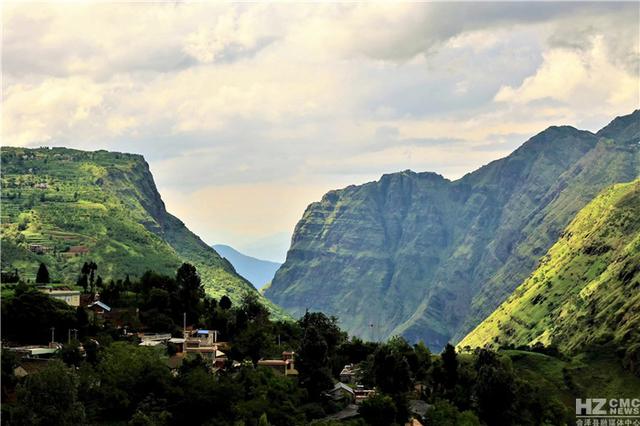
[585, 290]
[99, 206]
[418, 255]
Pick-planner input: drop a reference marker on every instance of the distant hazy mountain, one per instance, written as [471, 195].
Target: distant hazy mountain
[259, 272]
[419, 255]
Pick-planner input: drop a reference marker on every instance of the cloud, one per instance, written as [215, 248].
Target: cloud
[45, 111]
[302, 98]
[577, 78]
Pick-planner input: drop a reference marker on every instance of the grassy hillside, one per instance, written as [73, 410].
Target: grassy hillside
[588, 375]
[99, 206]
[585, 291]
[418, 255]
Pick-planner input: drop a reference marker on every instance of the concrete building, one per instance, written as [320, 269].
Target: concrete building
[66, 294]
[284, 366]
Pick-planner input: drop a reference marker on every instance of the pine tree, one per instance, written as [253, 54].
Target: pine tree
[225, 302]
[42, 277]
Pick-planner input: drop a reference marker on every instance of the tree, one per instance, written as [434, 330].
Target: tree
[10, 276]
[9, 363]
[87, 276]
[42, 277]
[378, 410]
[99, 284]
[82, 320]
[71, 354]
[126, 285]
[253, 341]
[252, 309]
[263, 421]
[391, 370]
[420, 361]
[128, 375]
[91, 350]
[28, 317]
[190, 291]
[445, 413]
[92, 272]
[313, 363]
[450, 366]
[494, 389]
[83, 282]
[225, 302]
[85, 269]
[49, 397]
[330, 332]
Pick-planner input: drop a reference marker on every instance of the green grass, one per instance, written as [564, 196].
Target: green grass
[595, 374]
[585, 290]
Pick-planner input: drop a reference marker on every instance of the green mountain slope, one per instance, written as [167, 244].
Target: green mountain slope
[418, 255]
[101, 206]
[586, 289]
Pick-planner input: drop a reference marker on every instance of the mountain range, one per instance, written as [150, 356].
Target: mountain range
[418, 255]
[64, 207]
[257, 271]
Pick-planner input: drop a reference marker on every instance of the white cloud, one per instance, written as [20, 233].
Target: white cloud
[291, 98]
[46, 111]
[576, 78]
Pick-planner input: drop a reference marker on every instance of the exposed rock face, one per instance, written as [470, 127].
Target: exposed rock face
[419, 255]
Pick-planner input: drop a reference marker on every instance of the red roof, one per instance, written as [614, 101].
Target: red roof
[273, 362]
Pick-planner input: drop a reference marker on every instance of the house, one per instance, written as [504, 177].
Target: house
[98, 307]
[348, 374]
[28, 366]
[34, 351]
[362, 393]
[151, 343]
[66, 294]
[341, 392]
[160, 337]
[419, 407]
[174, 363]
[205, 343]
[200, 337]
[153, 340]
[179, 344]
[38, 248]
[78, 250]
[284, 366]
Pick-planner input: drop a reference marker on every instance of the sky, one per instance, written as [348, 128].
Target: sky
[247, 113]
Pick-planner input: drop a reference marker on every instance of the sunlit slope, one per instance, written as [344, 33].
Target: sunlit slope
[586, 290]
[101, 206]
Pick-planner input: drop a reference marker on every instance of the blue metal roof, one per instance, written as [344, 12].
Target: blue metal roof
[102, 305]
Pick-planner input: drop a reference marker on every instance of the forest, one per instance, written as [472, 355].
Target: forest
[103, 376]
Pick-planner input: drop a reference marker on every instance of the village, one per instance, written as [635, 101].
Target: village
[347, 392]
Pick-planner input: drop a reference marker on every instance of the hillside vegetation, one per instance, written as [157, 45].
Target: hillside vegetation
[585, 291]
[64, 207]
[428, 258]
